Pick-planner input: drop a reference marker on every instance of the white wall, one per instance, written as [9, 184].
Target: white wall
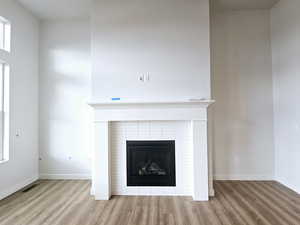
[64, 91]
[22, 167]
[242, 88]
[167, 39]
[286, 70]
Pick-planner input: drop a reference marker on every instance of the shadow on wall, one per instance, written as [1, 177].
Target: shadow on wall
[65, 117]
[242, 88]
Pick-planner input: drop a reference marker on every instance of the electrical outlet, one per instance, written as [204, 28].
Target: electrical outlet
[18, 133]
[147, 78]
[142, 78]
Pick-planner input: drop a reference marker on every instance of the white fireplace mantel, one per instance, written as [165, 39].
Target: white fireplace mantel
[106, 112]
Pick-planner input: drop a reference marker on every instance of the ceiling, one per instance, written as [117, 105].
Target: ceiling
[66, 9]
[58, 9]
[244, 4]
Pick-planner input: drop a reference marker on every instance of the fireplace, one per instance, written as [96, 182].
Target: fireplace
[193, 176]
[151, 163]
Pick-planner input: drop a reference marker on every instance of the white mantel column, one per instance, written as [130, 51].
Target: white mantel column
[200, 160]
[101, 186]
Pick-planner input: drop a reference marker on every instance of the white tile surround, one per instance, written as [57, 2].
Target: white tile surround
[180, 131]
[184, 122]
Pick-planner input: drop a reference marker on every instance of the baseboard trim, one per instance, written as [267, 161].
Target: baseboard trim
[288, 185]
[47, 176]
[211, 192]
[243, 177]
[17, 187]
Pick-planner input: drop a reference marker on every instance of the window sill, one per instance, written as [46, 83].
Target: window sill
[4, 161]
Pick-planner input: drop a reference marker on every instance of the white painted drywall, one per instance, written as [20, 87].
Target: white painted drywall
[169, 40]
[64, 91]
[242, 88]
[285, 19]
[22, 167]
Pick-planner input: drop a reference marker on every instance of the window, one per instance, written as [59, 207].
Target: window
[4, 34]
[4, 111]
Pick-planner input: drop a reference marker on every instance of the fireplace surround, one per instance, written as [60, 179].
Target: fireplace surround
[194, 112]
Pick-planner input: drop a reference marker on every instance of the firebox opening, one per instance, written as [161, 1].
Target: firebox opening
[151, 163]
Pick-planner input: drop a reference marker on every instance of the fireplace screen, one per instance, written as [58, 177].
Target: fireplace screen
[151, 163]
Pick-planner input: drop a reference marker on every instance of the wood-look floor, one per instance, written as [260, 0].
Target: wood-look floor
[69, 203]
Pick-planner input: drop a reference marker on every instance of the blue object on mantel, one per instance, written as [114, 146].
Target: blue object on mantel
[115, 99]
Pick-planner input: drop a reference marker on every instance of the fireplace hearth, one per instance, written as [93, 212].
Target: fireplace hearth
[151, 163]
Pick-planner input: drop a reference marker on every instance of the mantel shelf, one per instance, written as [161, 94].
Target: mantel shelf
[154, 110]
[203, 103]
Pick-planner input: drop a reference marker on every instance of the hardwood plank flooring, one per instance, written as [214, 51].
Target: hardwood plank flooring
[69, 203]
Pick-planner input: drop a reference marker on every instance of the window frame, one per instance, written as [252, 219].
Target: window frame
[4, 111]
[5, 38]
[5, 46]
